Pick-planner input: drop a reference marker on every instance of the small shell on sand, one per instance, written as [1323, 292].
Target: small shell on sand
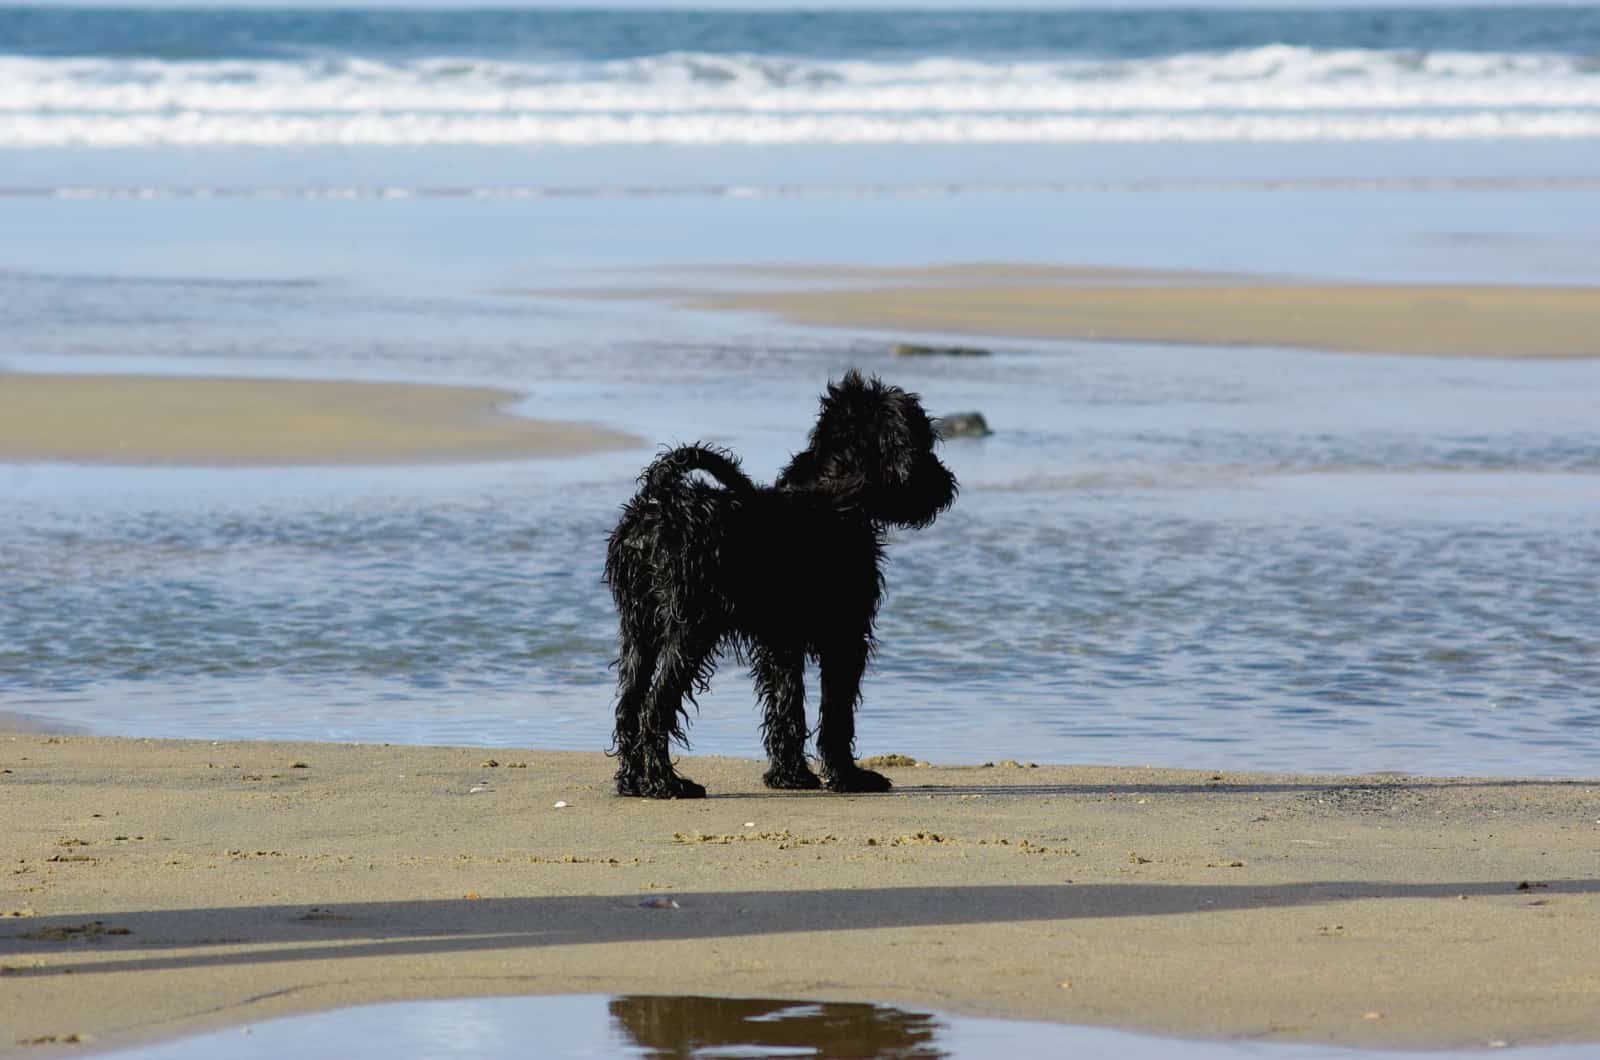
[661, 902]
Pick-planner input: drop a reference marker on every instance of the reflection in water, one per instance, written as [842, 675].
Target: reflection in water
[681, 1028]
[594, 1026]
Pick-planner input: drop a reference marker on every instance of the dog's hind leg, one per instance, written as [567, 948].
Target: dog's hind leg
[680, 670]
[781, 687]
[842, 667]
[636, 667]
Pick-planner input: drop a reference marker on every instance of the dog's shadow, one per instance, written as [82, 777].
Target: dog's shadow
[1341, 787]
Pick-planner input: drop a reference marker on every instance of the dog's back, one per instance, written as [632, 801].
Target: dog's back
[771, 563]
[673, 528]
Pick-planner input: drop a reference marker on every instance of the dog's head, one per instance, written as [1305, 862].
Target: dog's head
[873, 446]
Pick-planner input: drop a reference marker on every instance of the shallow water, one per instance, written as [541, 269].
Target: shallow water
[703, 1028]
[1240, 558]
[1265, 559]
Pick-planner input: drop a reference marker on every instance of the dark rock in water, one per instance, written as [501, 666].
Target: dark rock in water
[911, 349]
[962, 425]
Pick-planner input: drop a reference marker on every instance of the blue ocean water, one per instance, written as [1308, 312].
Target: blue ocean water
[90, 77]
[1226, 558]
[222, 33]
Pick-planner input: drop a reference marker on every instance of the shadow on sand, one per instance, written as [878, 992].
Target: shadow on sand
[242, 935]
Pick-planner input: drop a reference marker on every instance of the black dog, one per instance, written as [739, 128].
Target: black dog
[777, 574]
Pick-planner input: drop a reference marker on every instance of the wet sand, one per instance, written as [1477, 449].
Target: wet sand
[184, 421]
[155, 888]
[1192, 308]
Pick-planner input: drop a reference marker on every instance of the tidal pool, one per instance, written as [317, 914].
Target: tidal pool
[703, 1028]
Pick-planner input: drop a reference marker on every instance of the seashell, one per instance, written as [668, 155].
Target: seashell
[660, 902]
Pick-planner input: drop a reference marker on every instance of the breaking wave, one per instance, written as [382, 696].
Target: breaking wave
[1271, 93]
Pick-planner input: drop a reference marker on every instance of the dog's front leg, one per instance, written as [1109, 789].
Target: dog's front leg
[781, 687]
[842, 667]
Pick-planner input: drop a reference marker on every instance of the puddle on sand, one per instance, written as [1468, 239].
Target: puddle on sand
[708, 1028]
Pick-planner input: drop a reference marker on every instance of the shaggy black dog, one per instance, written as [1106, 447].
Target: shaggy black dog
[777, 574]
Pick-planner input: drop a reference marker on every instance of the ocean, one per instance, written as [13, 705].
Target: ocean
[1275, 559]
[370, 78]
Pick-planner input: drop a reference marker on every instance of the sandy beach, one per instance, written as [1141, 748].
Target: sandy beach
[1192, 308]
[157, 888]
[230, 422]
[336, 337]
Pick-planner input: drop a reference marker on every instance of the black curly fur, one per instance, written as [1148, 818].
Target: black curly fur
[776, 574]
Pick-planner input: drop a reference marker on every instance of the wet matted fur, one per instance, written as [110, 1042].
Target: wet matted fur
[776, 574]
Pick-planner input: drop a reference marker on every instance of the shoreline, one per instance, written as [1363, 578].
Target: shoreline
[1085, 303]
[182, 421]
[159, 888]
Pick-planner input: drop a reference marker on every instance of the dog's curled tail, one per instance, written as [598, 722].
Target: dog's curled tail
[667, 471]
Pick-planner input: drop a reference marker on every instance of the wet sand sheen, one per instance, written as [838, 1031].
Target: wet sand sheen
[1128, 305]
[184, 421]
[158, 887]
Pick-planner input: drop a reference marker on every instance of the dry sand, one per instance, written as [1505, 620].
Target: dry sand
[1152, 306]
[154, 888]
[167, 420]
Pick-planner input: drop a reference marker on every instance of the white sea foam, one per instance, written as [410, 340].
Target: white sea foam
[425, 129]
[1279, 93]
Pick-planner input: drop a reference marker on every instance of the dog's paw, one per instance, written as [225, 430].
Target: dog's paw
[856, 780]
[792, 778]
[683, 788]
[673, 787]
